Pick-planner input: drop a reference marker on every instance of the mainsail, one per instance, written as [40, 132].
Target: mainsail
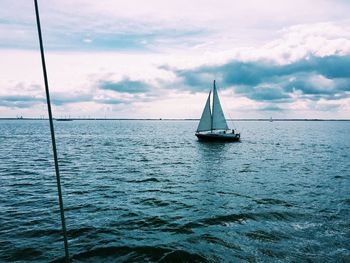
[215, 119]
[205, 122]
[218, 117]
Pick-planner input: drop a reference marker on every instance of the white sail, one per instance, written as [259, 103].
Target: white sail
[219, 121]
[205, 122]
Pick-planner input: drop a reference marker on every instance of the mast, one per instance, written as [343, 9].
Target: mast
[54, 149]
[212, 110]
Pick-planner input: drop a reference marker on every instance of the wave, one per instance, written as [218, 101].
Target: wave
[272, 201]
[22, 254]
[262, 235]
[135, 254]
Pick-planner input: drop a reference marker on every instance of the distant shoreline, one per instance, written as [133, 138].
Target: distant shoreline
[161, 119]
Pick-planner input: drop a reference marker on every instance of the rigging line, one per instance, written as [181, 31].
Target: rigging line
[60, 199]
[229, 115]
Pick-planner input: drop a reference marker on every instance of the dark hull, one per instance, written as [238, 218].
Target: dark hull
[218, 137]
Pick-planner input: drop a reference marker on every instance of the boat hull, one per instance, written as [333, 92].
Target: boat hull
[215, 137]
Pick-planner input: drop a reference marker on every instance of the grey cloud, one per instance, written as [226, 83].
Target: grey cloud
[336, 89]
[332, 66]
[263, 80]
[271, 108]
[124, 86]
[110, 101]
[20, 101]
[137, 89]
[60, 99]
[65, 98]
[263, 93]
[254, 73]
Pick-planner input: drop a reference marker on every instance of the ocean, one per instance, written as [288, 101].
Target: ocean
[148, 191]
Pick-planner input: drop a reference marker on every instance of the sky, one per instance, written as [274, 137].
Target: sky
[158, 59]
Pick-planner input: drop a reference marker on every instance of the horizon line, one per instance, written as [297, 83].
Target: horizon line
[173, 119]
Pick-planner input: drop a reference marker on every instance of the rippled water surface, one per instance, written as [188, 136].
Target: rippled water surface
[148, 191]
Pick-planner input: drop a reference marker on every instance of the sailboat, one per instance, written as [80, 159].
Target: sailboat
[212, 125]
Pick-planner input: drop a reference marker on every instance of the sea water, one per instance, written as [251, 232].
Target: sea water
[148, 191]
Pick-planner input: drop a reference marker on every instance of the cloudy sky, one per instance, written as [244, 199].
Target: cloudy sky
[158, 58]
